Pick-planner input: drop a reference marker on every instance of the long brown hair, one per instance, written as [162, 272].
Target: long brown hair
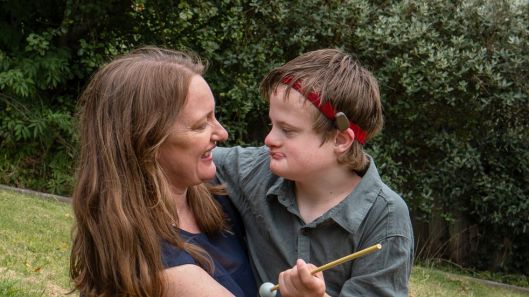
[122, 201]
[340, 80]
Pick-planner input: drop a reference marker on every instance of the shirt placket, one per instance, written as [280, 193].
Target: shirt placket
[304, 244]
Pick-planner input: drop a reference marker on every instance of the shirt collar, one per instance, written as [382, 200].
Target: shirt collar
[349, 213]
[281, 189]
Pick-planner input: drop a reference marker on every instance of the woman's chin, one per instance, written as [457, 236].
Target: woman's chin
[208, 173]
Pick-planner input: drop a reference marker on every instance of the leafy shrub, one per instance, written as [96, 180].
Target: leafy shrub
[453, 77]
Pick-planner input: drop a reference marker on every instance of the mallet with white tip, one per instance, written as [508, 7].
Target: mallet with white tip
[270, 290]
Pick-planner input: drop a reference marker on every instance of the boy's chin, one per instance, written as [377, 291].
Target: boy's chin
[277, 170]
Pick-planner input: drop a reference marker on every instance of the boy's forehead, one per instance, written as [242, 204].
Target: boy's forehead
[288, 96]
[292, 107]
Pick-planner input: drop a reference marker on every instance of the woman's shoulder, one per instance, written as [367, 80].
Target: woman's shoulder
[173, 256]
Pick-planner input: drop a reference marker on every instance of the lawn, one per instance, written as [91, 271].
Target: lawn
[35, 244]
[430, 282]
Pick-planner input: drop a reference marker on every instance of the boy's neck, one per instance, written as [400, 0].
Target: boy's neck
[316, 197]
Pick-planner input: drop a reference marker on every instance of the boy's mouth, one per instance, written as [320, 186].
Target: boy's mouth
[276, 156]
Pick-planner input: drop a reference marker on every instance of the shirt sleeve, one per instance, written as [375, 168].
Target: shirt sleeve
[383, 273]
[173, 256]
[226, 160]
[239, 168]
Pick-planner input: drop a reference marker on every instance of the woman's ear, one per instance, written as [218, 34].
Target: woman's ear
[344, 140]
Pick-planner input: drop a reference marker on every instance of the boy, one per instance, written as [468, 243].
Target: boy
[312, 193]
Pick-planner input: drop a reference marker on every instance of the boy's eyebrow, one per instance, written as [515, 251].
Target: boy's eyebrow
[283, 123]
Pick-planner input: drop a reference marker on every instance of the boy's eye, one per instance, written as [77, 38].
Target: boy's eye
[284, 129]
[288, 131]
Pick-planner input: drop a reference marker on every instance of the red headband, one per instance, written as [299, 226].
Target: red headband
[326, 109]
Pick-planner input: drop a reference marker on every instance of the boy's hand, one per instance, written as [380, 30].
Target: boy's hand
[298, 281]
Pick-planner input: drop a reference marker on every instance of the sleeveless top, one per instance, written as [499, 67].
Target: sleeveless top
[227, 249]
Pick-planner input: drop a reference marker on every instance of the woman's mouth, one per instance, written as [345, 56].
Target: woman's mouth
[208, 155]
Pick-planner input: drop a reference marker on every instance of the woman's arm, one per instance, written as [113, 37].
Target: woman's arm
[191, 280]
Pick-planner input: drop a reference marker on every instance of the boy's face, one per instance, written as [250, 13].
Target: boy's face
[296, 150]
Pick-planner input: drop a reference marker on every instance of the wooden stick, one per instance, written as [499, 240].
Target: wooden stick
[350, 257]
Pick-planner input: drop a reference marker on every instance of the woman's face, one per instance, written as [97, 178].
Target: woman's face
[186, 155]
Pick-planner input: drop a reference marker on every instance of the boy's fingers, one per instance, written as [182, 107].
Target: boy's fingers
[313, 267]
[288, 283]
[305, 276]
[283, 286]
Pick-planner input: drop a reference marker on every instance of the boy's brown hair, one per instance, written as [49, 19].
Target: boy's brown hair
[338, 79]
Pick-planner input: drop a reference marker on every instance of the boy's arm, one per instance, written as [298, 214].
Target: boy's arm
[236, 166]
[222, 158]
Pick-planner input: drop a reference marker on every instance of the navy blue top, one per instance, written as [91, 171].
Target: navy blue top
[227, 249]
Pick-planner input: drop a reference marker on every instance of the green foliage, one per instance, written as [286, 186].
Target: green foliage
[453, 77]
[36, 129]
[454, 80]
[40, 78]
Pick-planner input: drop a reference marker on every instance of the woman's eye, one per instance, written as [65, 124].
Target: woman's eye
[202, 126]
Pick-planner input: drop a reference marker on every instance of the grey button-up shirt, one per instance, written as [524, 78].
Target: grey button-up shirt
[277, 235]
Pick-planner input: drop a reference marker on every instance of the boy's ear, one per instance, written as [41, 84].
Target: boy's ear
[344, 140]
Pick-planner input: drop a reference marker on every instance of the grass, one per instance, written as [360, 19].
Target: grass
[430, 282]
[35, 245]
[13, 288]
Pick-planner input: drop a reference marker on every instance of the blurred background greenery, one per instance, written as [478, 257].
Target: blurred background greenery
[453, 77]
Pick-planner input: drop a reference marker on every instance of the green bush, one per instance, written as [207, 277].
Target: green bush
[454, 80]
[453, 77]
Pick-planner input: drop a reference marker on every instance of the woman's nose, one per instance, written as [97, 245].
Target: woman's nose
[220, 133]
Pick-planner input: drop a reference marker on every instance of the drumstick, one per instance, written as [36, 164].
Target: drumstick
[268, 289]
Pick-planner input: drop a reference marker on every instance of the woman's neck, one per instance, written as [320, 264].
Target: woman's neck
[186, 217]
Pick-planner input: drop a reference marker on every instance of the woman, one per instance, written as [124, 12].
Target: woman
[146, 224]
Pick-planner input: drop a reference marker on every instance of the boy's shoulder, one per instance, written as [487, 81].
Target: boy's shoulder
[388, 208]
[392, 198]
[375, 183]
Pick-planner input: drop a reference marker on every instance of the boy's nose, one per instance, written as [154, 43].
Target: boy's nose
[270, 140]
